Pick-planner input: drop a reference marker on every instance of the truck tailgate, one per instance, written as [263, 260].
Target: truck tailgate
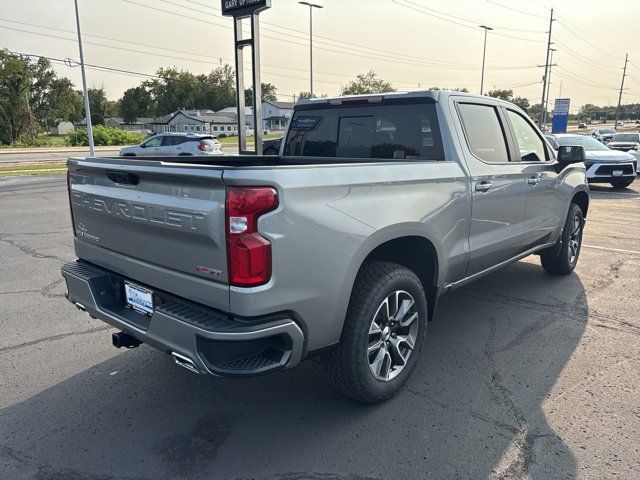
[160, 225]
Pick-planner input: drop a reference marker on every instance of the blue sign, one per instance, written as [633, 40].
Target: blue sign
[560, 116]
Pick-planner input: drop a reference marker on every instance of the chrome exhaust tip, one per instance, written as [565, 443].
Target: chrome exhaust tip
[185, 362]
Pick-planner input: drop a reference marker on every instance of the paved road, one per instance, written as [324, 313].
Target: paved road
[524, 375]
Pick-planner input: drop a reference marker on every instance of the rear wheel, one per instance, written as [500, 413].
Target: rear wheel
[621, 183]
[382, 336]
[562, 261]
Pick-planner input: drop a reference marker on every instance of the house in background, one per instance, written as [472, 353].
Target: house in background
[248, 111]
[197, 121]
[61, 127]
[276, 115]
[141, 124]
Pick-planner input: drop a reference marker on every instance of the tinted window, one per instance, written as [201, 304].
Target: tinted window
[590, 144]
[153, 142]
[375, 131]
[626, 137]
[530, 144]
[484, 133]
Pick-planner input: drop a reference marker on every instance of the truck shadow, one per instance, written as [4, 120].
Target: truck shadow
[473, 409]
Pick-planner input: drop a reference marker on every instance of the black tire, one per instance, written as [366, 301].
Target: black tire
[270, 151]
[562, 259]
[621, 183]
[347, 366]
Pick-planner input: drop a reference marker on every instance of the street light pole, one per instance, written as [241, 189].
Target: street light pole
[311, 7]
[484, 53]
[85, 93]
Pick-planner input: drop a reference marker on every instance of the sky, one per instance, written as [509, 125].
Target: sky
[414, 44]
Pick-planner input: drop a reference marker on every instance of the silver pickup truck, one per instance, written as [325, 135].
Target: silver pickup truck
[338, 248]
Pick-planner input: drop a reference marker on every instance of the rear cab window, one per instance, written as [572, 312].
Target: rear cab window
[392, 131]
[484, 132]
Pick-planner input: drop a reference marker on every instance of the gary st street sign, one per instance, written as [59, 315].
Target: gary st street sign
[243, 8]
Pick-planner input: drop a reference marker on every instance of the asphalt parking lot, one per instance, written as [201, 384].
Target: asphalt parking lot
[524, 375]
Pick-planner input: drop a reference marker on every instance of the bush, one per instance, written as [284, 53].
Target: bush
[41, 141]
[105, 136]
[222, 135]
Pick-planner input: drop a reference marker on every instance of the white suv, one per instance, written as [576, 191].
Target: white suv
[172, 144]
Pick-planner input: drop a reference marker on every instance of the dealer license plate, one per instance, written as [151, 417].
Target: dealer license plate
[617, 173]
[139, 299]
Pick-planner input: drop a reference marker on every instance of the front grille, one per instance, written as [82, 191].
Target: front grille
[609, 169]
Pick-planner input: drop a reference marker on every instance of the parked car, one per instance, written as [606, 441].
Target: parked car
[582, 126]
[271, 146]
[340, 248]
[167, 144]
[625, 142]
[603, 135]
[603, 164]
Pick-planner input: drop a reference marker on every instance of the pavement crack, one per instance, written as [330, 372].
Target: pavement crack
[52, 338]
[32, 252]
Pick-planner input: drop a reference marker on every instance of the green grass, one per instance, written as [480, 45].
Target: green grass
[40, 168]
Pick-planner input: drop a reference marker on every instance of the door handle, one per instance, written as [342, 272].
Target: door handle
[483, 186]
[534, 180]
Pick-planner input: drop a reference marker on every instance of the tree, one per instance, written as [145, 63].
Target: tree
[97, 105]
[521, 102]
[269, 94]
[367, 83]
[173, 90]
[16, 118]
[457, 89]
[501, 94]
[135, 103]
[307, 95]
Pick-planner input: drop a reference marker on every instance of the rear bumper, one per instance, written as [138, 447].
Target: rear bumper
[215, 342]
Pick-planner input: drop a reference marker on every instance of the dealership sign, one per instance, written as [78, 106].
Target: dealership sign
[243, 8]
[560, 115]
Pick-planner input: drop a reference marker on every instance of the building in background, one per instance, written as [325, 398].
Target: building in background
[196, 121]
[61, 128]
[140, 125]
[276, 115]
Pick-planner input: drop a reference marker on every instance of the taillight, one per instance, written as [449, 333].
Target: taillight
[248, 253]
[73, 223]
[202, 147]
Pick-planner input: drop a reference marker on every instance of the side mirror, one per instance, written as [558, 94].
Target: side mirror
[571, 154]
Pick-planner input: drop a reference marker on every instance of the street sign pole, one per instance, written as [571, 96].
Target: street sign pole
[240, 9]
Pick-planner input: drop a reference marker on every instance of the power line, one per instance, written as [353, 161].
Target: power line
[411, 7]
[515, 9]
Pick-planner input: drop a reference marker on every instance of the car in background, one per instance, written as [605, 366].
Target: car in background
[604, 135]
[582, 126]
[172, 144]
[625, 142]
[603, 164]
[271, 146]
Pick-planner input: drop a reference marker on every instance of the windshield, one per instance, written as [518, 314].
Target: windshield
[388, 131]
[607, 130]
[626, 137]
[590, 144]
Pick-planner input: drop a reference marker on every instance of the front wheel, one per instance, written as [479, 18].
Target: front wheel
[621, 183]
[562, 261]
[382, 335]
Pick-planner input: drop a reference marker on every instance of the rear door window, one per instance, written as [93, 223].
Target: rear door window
[484, 132]
[394, 132]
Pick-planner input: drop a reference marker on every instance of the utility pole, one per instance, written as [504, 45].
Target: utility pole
[543, 113]
[546, 103]
[484, 53]
[624, 74]
[311, 7]
[85, 93]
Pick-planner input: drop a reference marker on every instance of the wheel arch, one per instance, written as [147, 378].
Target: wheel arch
[414, 251]
[581, 198]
